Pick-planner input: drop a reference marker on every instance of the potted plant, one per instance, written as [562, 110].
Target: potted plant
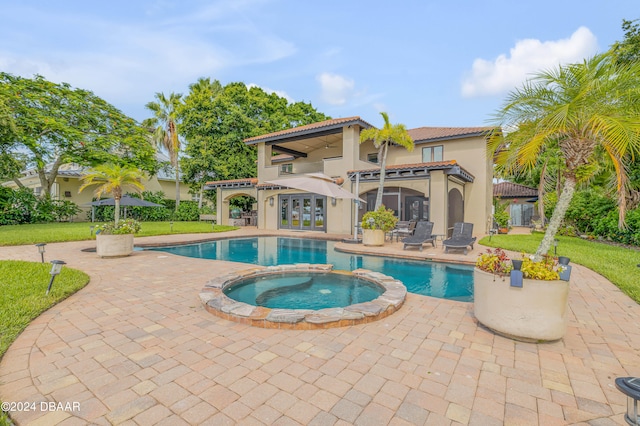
[534, 311]
[501, 218]
[375, 224]
[116, 240]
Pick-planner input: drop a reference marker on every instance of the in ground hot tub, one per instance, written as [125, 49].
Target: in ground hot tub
[303, 296]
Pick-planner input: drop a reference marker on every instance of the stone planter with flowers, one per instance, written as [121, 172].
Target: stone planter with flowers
[375, 224]
[116, 240]
[529, 304]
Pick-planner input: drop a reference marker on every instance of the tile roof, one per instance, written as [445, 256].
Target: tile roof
[513, 190]
[426, 134]
[309, 128]
[434, 164]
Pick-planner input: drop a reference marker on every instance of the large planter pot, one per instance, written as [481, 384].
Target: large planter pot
[534, 312]
[114, 245]
[372, 237]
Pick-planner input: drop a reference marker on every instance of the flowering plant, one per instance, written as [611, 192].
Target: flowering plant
[498, 263]
[494, 261]
[127, 226]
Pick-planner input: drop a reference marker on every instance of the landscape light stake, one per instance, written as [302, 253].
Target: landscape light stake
[41, 250]
[56, 267]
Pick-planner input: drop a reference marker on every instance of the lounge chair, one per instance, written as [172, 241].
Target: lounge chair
[404, 228]
[421, 235]
[461, 238]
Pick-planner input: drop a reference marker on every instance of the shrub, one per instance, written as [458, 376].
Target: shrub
[546, 270]
[382, 219]
[187, 211]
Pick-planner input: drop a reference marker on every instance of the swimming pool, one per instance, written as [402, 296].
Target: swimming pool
[443, 280]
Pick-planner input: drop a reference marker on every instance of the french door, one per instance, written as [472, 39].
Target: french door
[302, 211]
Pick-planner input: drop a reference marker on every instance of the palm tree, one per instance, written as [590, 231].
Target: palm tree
[112, 178]
[586, 109]
[165, 130]
[389, 134]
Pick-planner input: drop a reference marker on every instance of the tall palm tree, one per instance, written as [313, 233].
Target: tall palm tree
[586, 108]
[112, 179]
[395, 134]
[165, 130]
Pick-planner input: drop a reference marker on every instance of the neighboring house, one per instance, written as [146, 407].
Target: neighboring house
[69, 180]
[446, 179]
[520, 202]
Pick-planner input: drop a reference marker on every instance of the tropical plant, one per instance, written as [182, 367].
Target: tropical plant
[112, 179]
[588, 109]
[126, 226]
[164, 124]
[382, 219]
[497, 262]
[395, 134]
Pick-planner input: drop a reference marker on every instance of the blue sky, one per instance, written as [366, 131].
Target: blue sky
[426, 63]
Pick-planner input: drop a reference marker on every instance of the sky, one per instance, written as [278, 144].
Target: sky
[447, 63]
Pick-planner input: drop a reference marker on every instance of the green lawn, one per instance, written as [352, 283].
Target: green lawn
[23, 286]
[59, 232]
[617, 264]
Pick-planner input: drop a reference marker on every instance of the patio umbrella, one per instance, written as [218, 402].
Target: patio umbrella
[124, 202]
[316, 183]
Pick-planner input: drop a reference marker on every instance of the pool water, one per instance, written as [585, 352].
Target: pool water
[444, 280]
[304, 290]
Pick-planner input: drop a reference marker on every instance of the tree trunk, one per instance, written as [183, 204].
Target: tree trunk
[200, 196]
[543, 178]
[382, 157]
[557, 217]
[46, 182]
[116, 213]
[18, 182]
[177, 188]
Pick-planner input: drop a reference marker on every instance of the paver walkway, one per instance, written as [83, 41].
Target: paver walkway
[136, 347]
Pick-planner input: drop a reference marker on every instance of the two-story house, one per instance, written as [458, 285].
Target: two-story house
[446, 179]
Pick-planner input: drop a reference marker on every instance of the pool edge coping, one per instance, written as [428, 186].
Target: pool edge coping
[217, 303]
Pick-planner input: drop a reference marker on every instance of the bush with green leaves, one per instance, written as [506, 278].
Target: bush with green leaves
[187, 211]
[382, 219]
[126, 226]
[23, 206]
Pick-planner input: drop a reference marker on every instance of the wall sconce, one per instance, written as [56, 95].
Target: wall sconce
[333, 201]
[56, 267]
[41, 250]
[271, 201]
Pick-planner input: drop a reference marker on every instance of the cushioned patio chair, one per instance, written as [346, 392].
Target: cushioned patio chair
[461, 238]
[421, 235]
[404, 228]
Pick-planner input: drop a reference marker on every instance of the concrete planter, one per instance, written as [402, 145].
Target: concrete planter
[372, 237]
[114, 245]
[534, 313]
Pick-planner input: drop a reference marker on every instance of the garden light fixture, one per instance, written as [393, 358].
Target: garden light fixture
[41, 250]
[91, 228]
[630, 386]
[171, 226]
[555, 246]
[56, 267]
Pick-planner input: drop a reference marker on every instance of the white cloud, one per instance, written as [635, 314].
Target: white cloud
[336, 89]
[528, 56]
[280, 93]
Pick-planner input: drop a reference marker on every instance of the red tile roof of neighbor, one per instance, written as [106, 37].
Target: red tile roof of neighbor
[426, 134]
[513, 190]
[308, 128]
[245, 180]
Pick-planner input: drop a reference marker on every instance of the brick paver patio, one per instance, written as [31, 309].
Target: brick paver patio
[136, 347]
